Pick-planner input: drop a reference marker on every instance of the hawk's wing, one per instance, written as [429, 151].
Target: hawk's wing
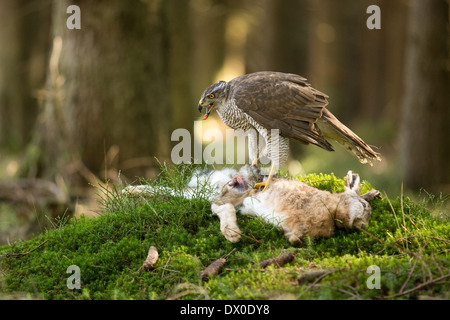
[282, 101]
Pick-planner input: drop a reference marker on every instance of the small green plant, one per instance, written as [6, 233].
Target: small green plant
[407, 240]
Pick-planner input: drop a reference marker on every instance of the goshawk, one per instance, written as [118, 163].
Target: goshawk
[273, 100]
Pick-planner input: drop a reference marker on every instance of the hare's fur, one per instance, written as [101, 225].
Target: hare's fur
[295, 207]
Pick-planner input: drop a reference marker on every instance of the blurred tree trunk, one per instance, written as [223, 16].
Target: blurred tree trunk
[329, 53]
[183, 105]
[394, 22]
[287, 50]
[321, 36]
[110, 90]
[208, 44]
[380, 53]
[368, 66]
[24, 29]
[425, 130]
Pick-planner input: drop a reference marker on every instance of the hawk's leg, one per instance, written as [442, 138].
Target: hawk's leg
[266, 183]
[255, 161]
[256, 146]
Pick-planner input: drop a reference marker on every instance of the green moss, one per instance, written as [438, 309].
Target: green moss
[411, 248]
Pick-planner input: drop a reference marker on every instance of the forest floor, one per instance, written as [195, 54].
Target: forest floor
[404, 253]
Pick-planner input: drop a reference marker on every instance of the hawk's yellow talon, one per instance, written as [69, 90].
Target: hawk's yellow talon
[266, 183]
[260, 185]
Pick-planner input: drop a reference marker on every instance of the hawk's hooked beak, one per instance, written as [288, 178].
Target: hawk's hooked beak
[208, 108]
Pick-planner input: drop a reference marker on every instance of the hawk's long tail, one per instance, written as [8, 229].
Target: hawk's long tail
[333, 129]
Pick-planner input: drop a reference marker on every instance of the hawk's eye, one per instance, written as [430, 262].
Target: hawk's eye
[211, 96]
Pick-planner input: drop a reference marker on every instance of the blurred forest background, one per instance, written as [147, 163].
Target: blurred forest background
[79, 106]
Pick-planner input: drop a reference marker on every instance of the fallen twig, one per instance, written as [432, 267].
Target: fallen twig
[316, 275]
[164, 268]
[409, 276]
[395, 246]
[311, 275]
[436, 238]
[355, 295]
[18, 255]
[420, 286]
[436, 264]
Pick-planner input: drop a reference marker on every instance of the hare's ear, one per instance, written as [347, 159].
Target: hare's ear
[352, 182]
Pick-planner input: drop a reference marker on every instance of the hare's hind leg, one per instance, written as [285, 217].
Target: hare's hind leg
[371, 195]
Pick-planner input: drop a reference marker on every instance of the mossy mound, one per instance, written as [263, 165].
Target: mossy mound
[407, 241]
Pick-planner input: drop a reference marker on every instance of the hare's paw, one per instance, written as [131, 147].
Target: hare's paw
[231, 233]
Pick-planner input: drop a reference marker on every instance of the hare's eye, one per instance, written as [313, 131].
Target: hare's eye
[364, 204]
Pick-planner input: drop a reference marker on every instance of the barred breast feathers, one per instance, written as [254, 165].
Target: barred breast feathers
[233, 117]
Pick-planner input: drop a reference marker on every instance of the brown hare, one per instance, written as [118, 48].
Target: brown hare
[295, 207]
